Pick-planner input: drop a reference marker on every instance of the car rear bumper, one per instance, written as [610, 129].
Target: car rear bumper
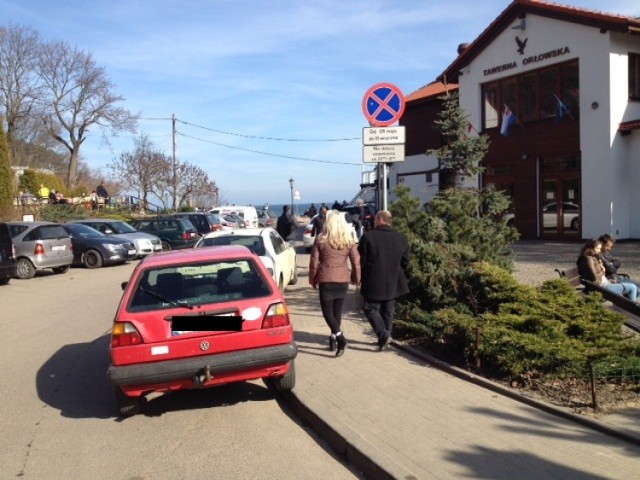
[174, 370]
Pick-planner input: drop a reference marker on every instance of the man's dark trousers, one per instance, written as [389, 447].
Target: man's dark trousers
[380, 316]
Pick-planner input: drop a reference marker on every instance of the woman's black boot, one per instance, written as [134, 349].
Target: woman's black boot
[342, 344]
[332, 343]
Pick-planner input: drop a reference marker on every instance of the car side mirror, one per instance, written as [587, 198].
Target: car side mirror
[123, 285]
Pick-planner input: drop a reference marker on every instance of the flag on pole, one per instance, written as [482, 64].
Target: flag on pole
[508, 119]
[561, 109]
[471, 130]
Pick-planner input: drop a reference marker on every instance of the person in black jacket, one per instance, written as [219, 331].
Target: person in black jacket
[612, 264]
[286, 224]
[384, 257]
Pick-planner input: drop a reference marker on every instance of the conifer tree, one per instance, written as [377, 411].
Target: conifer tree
[461, 153]
[6, 174]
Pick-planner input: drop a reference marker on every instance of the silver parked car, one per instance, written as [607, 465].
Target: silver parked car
[145, 243]
[40, 245]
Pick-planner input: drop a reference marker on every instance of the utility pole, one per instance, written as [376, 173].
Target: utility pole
[175, 162]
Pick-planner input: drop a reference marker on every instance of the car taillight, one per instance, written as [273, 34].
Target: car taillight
[124, 334]
[307, 231]
[13, 251]
[188, 235]
[39, 250]
[277, 316]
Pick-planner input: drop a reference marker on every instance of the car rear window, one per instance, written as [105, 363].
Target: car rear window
[254, 243]
[52, 232]
[15, 230]
[198, 284]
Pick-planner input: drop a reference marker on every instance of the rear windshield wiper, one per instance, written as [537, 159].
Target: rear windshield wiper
[167, 300]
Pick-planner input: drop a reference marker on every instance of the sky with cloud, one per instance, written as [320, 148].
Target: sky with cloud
[263, 90]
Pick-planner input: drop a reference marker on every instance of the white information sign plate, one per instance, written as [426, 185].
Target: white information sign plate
[383, 153]
[383, 135]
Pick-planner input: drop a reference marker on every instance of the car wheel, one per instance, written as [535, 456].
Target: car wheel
[92, 259]
[294, 278]
[25, 269]
[284, 383]
[575, 224]
[128, 406]
[61, 270]
[166, 246]
[4, 280]
[281, 284]
[308, 249]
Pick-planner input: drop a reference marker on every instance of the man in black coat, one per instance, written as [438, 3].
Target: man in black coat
[286, 224]
[384, 256]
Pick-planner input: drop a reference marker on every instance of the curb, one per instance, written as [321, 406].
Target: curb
[349, 447]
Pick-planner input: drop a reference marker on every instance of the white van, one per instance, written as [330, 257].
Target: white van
[249, 214]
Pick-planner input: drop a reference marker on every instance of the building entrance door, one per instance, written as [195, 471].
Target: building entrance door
[560, 215]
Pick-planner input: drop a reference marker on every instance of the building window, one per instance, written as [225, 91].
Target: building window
[534, 95]
[491, 105]
[634, 76]
[527, 105]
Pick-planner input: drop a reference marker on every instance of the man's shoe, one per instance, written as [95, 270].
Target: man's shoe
[332, 343]
[382, 343]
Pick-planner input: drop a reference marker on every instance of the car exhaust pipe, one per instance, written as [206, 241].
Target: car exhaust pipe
[202, 377]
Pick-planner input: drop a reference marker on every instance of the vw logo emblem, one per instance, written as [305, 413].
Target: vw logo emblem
[204, 346]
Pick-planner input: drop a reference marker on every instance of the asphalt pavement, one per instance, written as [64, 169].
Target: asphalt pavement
[399, 414]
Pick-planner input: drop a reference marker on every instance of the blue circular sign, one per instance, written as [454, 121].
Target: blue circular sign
[383, 104]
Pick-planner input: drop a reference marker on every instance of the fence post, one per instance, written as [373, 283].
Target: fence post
[592, 379]
[478, 345]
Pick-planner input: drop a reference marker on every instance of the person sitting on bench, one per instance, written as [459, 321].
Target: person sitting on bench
[591, 269]
[612, 264]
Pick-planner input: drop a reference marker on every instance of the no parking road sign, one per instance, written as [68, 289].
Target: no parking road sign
[383, 104]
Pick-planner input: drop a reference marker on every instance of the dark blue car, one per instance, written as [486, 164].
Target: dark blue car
[94, 249]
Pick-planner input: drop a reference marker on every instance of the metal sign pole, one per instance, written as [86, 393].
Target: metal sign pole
[384, 187]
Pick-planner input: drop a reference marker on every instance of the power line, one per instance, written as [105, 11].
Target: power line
[266, 153]
[271, 138]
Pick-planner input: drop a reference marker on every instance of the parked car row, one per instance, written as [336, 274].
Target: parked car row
[26, 247]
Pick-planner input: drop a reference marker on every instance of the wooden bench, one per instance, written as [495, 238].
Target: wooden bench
[623, 304]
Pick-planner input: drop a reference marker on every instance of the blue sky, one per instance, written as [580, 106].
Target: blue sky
[285, 69]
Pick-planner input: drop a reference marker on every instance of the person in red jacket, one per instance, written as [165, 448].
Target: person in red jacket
[334, 251]
[384, 257]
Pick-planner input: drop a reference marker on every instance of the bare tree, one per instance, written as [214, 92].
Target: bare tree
[194, 183]
[19, 87]
[80, 96]
[142, 169]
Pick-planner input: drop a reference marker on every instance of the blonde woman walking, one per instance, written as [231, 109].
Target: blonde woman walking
[335, 262]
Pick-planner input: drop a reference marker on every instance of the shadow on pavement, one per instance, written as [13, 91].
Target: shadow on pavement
[74, 381]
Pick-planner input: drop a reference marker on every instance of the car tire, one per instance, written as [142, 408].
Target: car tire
[61, 270]
[25, 269]
[284, 383]
[575, 224]
[294, 277]
[166, 246]
[128, 406]
[92, 259]
[281, 284]
[5, 280]
[308, 249]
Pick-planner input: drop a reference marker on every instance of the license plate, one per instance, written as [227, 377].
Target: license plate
[132, 252]
[58, 248]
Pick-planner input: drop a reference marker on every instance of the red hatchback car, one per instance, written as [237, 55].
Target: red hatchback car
[199, 318]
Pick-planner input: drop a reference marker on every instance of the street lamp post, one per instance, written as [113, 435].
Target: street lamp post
[291, 185]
